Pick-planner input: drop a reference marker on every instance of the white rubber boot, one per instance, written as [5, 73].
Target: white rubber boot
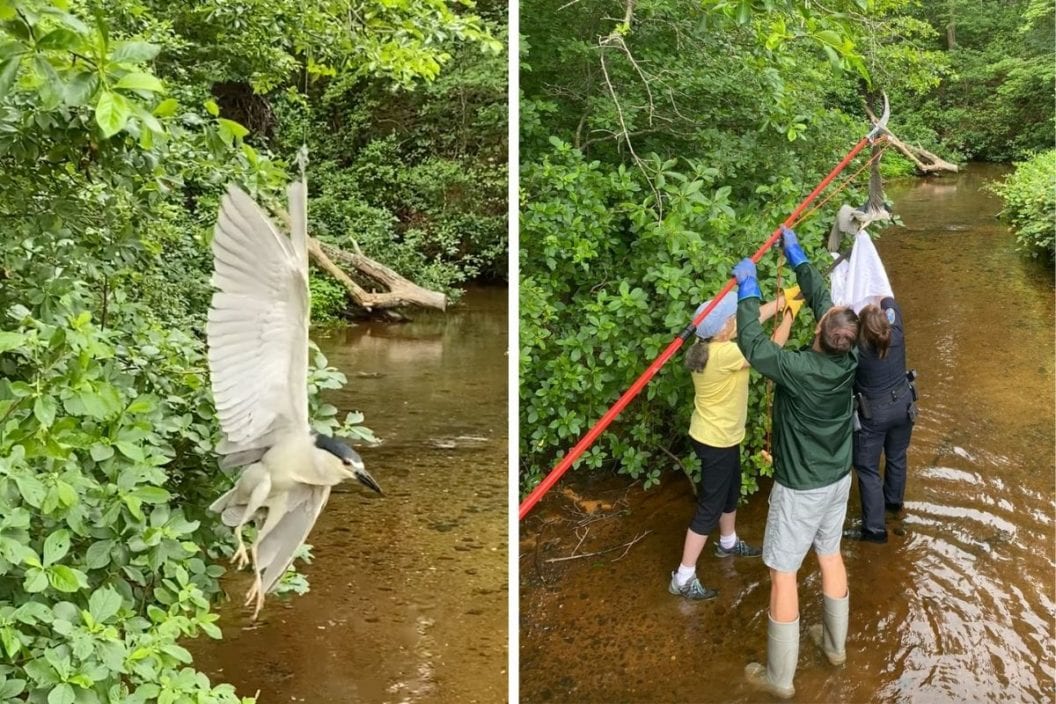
[782, 654]
[831, 634]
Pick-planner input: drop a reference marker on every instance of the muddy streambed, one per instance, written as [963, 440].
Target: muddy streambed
[957, 607]
[408, 597]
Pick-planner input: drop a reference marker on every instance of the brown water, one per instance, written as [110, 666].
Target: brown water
[958, 608]
[408, 599]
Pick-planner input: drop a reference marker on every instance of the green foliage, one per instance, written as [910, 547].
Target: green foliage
[996, 103]
[1030, 204]
[117, 139]
[605, 285]
[416, 179]
[328, 298]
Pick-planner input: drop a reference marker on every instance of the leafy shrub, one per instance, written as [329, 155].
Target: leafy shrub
[605, 286]
[1030, 204]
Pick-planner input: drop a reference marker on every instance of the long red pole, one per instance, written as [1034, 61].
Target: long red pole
[587, 440]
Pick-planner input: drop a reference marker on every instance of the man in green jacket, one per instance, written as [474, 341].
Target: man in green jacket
[812, 461]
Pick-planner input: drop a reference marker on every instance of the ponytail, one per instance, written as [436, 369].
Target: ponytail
[875, 330]
[697, 355]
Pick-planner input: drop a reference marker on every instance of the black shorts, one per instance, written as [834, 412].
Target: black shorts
[719, 489]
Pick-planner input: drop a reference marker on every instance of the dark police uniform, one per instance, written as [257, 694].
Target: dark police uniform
[887, 413]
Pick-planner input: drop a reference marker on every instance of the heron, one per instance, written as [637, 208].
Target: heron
[850, 220]
[257, 334]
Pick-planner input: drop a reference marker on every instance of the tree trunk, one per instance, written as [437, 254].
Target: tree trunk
[951, 29]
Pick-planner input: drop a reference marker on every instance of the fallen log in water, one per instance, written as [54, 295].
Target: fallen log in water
[400, 291]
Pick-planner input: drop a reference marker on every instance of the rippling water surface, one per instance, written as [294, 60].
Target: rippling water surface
[408, 598]
[957, 607]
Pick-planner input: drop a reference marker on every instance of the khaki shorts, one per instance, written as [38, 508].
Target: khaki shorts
[800, 518]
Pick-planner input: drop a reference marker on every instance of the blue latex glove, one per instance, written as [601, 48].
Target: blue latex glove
[747, 284]
[793, 252]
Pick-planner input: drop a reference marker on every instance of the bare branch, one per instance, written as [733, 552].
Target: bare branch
[626, 546]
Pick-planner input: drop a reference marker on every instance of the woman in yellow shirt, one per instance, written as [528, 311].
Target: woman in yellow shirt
[720, 410]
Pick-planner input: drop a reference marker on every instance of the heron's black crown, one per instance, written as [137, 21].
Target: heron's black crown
[335, 447]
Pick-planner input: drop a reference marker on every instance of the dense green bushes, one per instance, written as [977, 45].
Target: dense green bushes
[1030, 204]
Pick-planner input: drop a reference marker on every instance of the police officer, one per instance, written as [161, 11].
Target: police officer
[887, 409]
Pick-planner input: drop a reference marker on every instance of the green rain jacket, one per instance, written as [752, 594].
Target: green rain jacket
[812, 402]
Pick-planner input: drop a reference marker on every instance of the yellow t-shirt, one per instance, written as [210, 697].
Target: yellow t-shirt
[720, 407]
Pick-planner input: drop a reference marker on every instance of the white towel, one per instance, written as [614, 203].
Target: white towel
[860, 279]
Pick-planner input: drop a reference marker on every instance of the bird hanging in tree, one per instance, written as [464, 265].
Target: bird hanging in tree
[258, 361]
[850, 220]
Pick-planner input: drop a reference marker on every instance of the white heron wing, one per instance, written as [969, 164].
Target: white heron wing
[276, 551]
[258, 327]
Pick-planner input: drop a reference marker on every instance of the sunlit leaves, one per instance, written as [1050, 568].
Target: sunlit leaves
[133, 52]
[139, 81]
[112, 113]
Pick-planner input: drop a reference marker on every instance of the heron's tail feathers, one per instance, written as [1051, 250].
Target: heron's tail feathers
[220, 504]
[235, 515]
[232, 509]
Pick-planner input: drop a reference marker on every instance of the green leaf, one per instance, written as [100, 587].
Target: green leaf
[830, 37]
[130, 450]
[152, 125]
[167, 107]
[80, 88]
[62, 694]
[212, 108]
[49, 86]
[137, 80]
[134, 52]
[744, 12]
[112, 113]
[66, 579]
[11, 341]
[11, 643]
[33, 613]
[12, 688]
[61, 39]
[236, 130]
[32, 490]
[36, 580]
[177, 651]
[144, 403]
[152, 494]
[103, 604]
[101, 452]
[56, 546]
[8, 73]
[98, 554]
[44, 409]
[67, 494]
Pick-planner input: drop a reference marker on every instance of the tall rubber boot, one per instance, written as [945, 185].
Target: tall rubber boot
[782, 653]
[831, 635]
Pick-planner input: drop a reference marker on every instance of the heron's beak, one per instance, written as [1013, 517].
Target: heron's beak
[364, 477]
